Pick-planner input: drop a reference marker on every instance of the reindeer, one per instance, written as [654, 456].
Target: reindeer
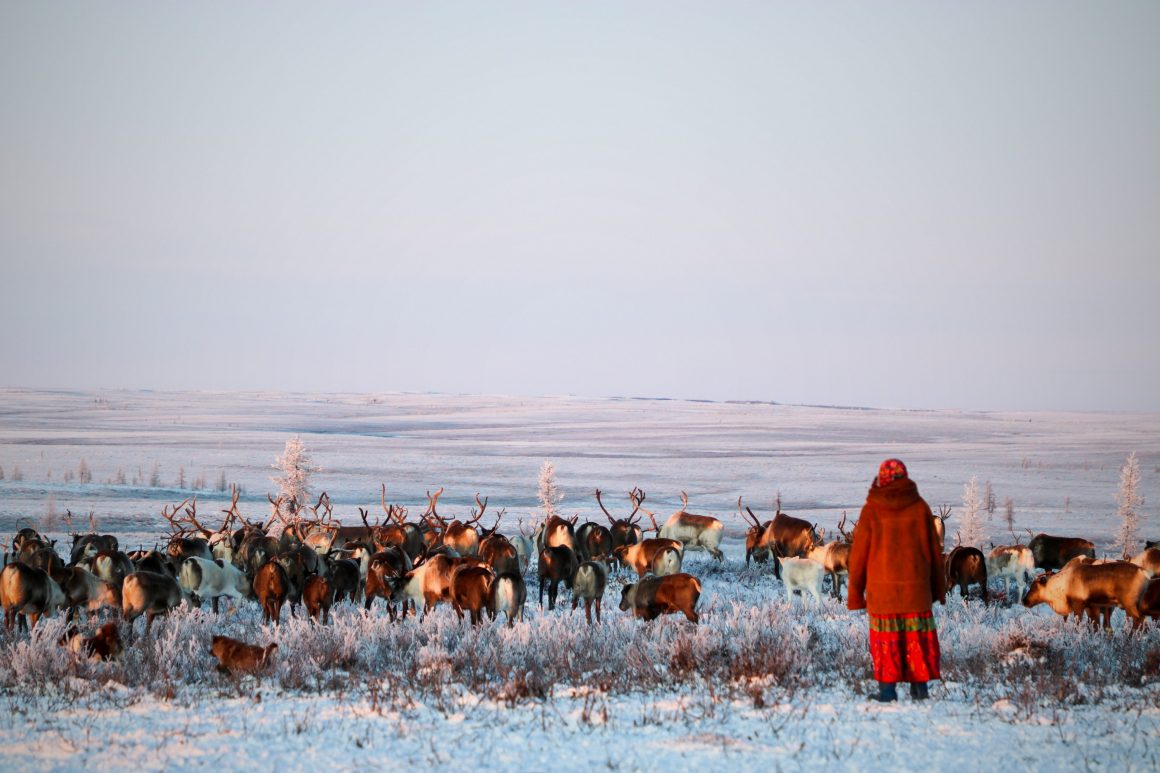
[1082, 586]
[105, 644]
[508, 595]
[666, 561]
[429, 582]
[235, 655]
[640, 556]
[149, 594]
[470, 590]
[1053, 553]
[386, 567]
[498, 551]
[695, 532]
[834, 557]
[82, 588]
[555, 531]
[804, 575]
[111, 566]
[940, 525]
[625, 531]
[27, 593]
[203, 579]
[591, 579]
[1148, 560]
[88, 545]
[966, 565]
[786, 537]
[1011, 563]
[181, 546]
[655, 596]
[755, 547]
[524, 547]
[318, 597]
[556, 564]
[272, 587]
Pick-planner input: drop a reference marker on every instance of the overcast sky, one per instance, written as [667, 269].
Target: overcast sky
[882, 204]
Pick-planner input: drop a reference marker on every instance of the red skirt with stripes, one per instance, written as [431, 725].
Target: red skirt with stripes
[904, 647]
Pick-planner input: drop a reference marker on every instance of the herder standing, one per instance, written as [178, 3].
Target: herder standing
[896, 574]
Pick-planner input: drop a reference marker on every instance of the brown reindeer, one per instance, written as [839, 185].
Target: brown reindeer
[1053, 553]
[1148, 560]
[655, 596]
[83, 589]
[429, 582]
[755, 547]
[234, 655]
[786, 537]
[27, 593]
[1086, 587]
[272, 587]
[965, 566]
[556, 564]
[149, 594]
[499, 552]
[105, 644]
[625, 531]
[318, 597]
[640, 556]
[470, 590]
[386, 567]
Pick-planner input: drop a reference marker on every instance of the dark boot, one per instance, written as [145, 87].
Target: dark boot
[887, 693]
[918, 691]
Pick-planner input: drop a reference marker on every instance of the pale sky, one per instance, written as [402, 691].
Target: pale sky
[875, 204]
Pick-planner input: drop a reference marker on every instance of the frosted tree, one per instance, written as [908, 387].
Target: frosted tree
[155, 475]
[989, 499]
[221, 481]
[1, 473]
[1130, 501]
[549, 493]
[296, 467]
[1009, 513]
[17, 474]
[181, 477]
[972, 523]
[84, 474]
[48, 522]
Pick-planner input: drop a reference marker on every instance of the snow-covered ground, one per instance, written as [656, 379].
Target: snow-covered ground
[761, 683]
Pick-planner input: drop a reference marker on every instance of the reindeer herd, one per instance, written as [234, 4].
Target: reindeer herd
[302, 556]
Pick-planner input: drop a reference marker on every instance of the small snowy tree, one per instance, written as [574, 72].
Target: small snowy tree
[296, 467]
[221, 482]
[48, 522]
[972, 526]
[155, 476]
[1009, 512]
[17, 474]
[1, 472]
[989, 499]
[84, 474]
[549, 493]
[181, 477]
[1130, 501]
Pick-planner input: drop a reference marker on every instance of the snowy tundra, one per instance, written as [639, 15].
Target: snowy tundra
[758, 682]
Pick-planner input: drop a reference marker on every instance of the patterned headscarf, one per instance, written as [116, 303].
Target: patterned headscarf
[891, 469]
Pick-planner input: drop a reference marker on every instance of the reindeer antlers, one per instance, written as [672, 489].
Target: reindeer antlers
[944, 512]
[842, 529]
[684, 501]
[756, 521]
[478, 515]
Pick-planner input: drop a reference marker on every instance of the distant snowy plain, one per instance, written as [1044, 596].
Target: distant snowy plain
[1060, 469]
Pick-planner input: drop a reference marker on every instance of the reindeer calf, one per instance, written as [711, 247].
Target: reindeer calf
[234, 655]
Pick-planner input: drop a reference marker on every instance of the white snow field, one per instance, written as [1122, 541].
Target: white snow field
[761, 683]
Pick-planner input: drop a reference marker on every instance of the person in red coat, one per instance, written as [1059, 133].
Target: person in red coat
[896, 575]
